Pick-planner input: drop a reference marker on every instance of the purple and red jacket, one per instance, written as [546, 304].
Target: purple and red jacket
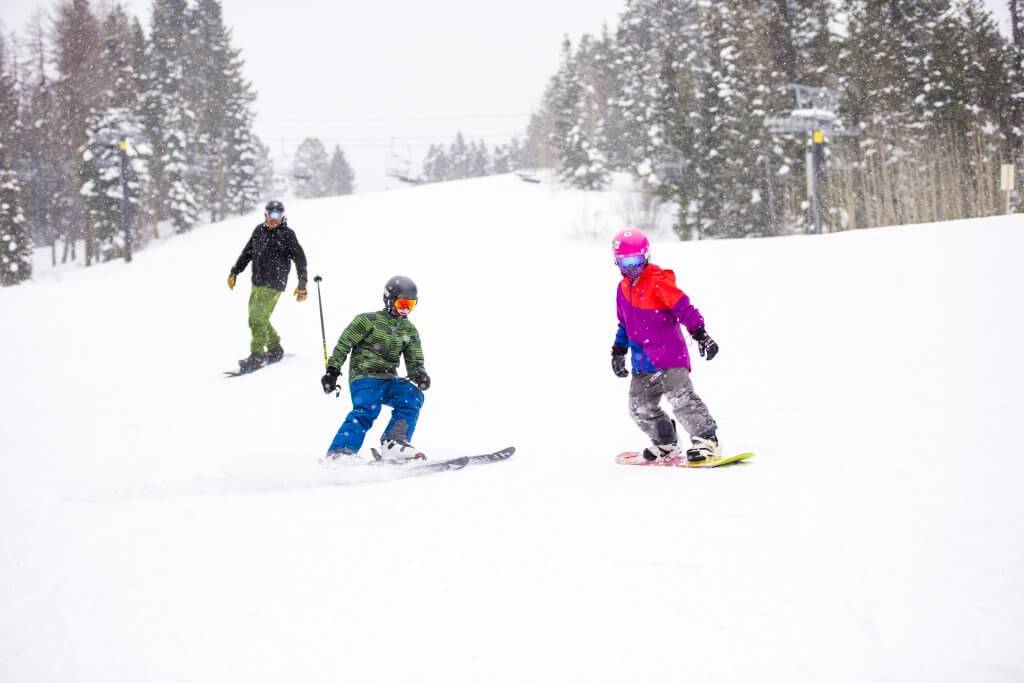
[650, 311]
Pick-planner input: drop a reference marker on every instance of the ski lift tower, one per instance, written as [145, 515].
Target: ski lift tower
[817, 115]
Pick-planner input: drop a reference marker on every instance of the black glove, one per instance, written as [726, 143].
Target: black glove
[420, 378]
[330, 380]
[619, 361]
[707, 346]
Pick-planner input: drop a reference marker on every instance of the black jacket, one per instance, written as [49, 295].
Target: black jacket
[271, 252]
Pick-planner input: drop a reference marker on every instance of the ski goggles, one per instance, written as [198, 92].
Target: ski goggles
[632, 261]
[275, 215]
[405, 305]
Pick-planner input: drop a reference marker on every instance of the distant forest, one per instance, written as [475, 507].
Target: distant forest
[679, 93]
[91, 105]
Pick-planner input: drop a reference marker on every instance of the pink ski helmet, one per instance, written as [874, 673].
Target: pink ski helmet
[631, 250]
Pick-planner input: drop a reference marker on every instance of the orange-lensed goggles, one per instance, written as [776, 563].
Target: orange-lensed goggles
[405, 304]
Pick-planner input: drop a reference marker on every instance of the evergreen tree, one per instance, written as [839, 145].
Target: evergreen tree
[222, 99]
[340, 178]
[15, 240]
[515, 155]
[41, 151]
[118, 60]
[540, 149]
[584, 162]
[479, 160]
[78, 91]
[311, 168]
[638, 73]
[1016, 74]
[264, 170]
[436, 165]
[458, 159]
[170, 122]
[241, 149]
[502, 162]
[101, 179]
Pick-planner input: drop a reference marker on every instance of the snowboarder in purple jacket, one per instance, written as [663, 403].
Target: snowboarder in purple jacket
[651, 309]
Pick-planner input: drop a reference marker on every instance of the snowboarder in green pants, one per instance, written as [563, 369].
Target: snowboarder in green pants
[272, 248]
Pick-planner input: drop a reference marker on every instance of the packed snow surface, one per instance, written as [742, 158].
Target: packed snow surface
[160, 523]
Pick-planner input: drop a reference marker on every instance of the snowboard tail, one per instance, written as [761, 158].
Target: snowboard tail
[634, 458]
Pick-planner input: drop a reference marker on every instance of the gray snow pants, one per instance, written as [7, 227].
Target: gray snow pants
[645, 393]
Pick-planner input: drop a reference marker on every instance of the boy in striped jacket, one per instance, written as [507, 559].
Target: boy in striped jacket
[377, 342]
[651, 309]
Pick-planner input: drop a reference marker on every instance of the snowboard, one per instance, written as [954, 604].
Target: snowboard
[634, 458]
[239, 372]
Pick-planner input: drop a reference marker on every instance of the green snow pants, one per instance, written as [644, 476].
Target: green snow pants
[261, 304]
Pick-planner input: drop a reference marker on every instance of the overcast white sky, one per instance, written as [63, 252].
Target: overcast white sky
[386, 79]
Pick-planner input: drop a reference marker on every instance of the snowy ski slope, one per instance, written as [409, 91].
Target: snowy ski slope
[159, 523]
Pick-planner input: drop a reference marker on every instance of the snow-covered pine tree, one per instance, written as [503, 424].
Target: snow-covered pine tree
[540, 149]
[118, 60]
[10, 121]
[78, 92]
[515, 155]
[584, 161]
[15, 240]
[479, 160]
[1017, 78]
[225, 150]
[310, 169]
[502, 160]
[675, 175]
[458, 159]
[210, 65]
[435, 164]
[241, 150]
[736, 79]
[101, 183]
[340, 178]
[577, 122]
[41, 157]
[638, 87]
[878, 94]
[264, 170]
[607, 84]
[804, 51]
[170, 122]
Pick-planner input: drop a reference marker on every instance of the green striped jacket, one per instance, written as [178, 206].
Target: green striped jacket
[377, 342]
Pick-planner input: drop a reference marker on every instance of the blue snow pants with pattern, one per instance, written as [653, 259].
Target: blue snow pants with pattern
[368, 396]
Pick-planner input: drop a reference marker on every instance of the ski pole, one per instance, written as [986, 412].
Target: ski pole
[320, 303]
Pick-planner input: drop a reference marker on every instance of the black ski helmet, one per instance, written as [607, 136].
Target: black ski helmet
[277, 209]
[399, 287]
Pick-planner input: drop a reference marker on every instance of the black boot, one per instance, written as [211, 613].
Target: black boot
[254, 361]
[274, 353]
[664, 451]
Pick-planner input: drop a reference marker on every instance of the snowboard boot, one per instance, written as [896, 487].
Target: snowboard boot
[703, 449]
[274, 353]
[660, 452]
[397, 452]
[254, 361]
